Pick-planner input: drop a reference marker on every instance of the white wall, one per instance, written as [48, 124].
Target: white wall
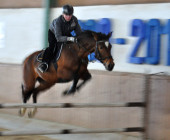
[24, 31]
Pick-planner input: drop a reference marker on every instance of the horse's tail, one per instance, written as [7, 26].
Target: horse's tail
[22, 87]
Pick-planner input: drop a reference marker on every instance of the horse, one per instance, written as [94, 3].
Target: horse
[71, 66]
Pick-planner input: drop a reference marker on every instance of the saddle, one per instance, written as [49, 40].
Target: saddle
[55, 58]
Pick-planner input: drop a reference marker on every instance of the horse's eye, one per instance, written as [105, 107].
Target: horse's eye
[107, 44]
[101, 47]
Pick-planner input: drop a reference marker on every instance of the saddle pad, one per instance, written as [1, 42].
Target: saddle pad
[40, 56]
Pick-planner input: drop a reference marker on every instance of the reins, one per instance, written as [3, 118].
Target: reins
[97, 53]
[98, 56]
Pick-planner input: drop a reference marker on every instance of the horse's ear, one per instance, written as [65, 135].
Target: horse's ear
[109, 34]
[94, 35]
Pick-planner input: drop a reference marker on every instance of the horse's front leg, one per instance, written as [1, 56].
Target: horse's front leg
[85, 77]
[72, 89]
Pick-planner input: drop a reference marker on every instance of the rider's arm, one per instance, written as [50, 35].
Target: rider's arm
[78, 28]
[56, 29]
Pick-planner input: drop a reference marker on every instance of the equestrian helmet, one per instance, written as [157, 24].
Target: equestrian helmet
[68, 9]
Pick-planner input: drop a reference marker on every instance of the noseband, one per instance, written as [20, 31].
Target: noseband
[98, 54]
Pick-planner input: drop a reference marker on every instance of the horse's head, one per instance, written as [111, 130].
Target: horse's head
[103, 50]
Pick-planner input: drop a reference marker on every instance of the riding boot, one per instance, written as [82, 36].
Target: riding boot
[45, 61]
[48, 53]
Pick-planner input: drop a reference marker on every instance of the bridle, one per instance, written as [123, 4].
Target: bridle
[98, 54]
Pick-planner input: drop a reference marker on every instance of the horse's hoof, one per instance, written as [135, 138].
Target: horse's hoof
[21, 112]
[68, 92]
[32, 113]
[78, 88]
[65, 92]
[72, 92]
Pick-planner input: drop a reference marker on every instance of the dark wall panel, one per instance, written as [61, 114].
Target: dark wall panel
[39, 3]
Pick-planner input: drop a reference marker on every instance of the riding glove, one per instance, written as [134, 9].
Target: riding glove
[72, 39]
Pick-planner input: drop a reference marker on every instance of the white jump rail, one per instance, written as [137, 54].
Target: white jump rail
[69, 131]
[72, 105]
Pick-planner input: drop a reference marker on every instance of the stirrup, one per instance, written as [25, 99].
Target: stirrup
[42, 68]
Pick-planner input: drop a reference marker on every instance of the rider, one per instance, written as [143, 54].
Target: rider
[59, 32]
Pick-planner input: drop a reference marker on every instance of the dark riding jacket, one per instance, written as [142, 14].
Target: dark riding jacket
[62, 28]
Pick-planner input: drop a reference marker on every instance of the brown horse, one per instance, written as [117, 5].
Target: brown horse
[72, 65]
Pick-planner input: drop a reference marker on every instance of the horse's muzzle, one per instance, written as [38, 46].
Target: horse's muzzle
[110, 66]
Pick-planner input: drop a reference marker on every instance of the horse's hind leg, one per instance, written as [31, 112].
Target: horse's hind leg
[26, 94]
[42, 86]
[27, 90]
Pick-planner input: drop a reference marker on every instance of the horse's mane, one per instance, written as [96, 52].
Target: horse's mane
[89, 34]
[86, 34]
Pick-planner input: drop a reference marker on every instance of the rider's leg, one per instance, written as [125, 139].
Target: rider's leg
[49, 52]
[45, 61]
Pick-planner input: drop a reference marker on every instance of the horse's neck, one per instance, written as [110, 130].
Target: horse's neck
[86, 48]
